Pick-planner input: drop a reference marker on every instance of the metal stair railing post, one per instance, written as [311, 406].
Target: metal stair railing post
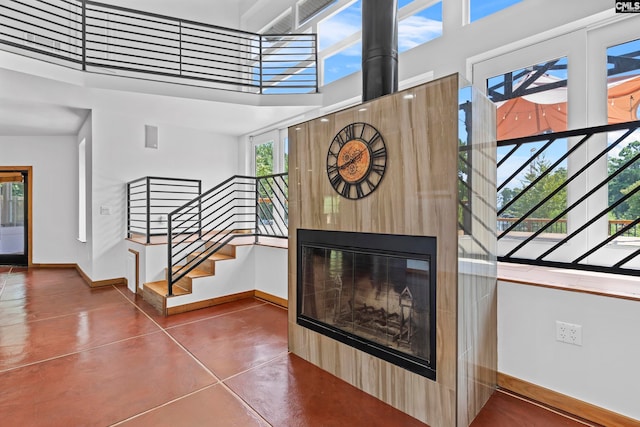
[169, 246]
[148, 210]
[230, 206]
[84, 35]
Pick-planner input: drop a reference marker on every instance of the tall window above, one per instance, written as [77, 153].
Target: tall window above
[623, 82]
[531, 100]
[420, 27]
[340, 26]
[481, 8]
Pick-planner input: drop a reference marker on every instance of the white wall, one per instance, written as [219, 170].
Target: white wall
[119, 156]
[604, 371]
[84, 252]
[54, 160]
[271, 271]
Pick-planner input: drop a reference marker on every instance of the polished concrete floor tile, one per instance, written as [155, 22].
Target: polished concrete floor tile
[29, 342]
[504, 410]
[35, 306]
[292, 392]
[237, 341]
[213, 406]
[196, 315]
[101, 386]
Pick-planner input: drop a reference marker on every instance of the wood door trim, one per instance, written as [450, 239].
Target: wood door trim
[29, 171]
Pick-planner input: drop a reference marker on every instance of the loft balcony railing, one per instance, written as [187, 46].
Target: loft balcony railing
[151, 199]
[240, 206]
[107, 39]
[571, 199]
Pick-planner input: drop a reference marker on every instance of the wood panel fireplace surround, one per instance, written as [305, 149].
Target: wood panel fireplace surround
[392, 267]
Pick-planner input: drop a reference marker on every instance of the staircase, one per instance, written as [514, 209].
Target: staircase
[208, 238]
[157, 293]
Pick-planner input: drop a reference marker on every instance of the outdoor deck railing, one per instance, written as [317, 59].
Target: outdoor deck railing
[113, 40]
[571, 199]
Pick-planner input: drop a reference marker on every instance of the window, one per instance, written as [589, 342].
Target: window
[531, 100]
[420, 28]
[623, 82]
[82, 191]
[340, 26]
[481, 8]
[343, 63]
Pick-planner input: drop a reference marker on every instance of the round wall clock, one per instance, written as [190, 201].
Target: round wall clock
[356, 160]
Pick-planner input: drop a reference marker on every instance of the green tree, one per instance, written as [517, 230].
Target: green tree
[264, 159]
[552, 207]
[633, 202]
[624, 180]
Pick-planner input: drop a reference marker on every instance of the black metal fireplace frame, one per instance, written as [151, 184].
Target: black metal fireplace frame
[407, 246]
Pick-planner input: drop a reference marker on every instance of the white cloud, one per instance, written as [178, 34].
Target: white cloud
[416, 30]
[613, 136]
[339, 27]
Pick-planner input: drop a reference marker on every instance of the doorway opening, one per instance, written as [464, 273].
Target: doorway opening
[15, 215]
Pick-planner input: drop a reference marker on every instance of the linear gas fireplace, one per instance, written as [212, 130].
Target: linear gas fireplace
[374, 292]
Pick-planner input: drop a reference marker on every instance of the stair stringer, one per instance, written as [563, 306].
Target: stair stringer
[232, 276]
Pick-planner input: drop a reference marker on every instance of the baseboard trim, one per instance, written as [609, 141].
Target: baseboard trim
[38, 265]
[271, 298]
[100, 283]
[565, 403]
[207, 303]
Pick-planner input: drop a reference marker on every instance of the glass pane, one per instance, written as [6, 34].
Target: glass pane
[623, 83]
[286, 154]
[531, 101]
[11, 214]
[481, 8]
[264, 159]
[340, 26]
[343, 63]
[420, 28]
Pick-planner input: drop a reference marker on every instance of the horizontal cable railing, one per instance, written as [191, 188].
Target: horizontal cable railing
[570, 199]
[150, 200]
[114, 40]
[240, 206]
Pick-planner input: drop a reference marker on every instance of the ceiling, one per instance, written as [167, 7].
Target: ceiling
[37, 114]
[30, 118]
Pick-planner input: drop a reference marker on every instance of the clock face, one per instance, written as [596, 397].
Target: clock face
[356, 160]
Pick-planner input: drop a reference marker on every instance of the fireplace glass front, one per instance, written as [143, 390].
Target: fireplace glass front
[375, 292]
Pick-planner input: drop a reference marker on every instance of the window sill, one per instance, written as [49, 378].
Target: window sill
[609, 285]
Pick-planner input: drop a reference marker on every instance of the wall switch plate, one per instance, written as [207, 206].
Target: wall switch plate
[569, 333]
[105, 210]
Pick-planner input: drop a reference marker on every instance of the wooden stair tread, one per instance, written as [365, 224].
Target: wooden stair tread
[215, 257]
[162, 288]
[196, 272]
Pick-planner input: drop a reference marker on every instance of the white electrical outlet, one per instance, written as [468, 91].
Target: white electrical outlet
[569, 333]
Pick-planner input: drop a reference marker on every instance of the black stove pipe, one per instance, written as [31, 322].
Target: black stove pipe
[379, 48]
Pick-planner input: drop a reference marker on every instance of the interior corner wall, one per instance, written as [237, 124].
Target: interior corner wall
[54, 161]
[119, 156]
[603, 371]
[271, 270]
[84, 253]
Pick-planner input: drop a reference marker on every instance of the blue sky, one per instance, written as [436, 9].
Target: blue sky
[419, 28]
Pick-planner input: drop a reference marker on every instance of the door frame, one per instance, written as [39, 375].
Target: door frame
[28, 171]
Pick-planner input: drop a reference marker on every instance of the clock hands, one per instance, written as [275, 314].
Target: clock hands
[352, 160]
